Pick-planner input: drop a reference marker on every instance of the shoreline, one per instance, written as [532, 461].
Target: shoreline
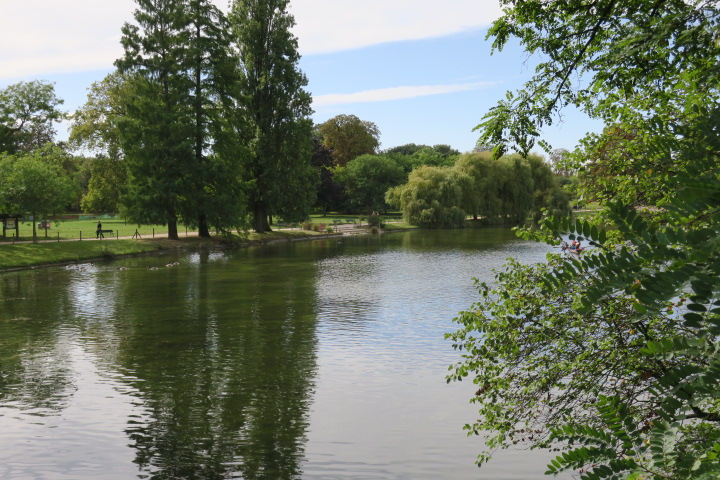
[164, 246]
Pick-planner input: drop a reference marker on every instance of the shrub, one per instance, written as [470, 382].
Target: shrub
[374, 220]
[319, 227]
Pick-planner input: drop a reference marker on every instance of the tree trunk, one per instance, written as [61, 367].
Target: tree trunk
[261, 223]
[34, 228]
[172, 228]
[203, 229]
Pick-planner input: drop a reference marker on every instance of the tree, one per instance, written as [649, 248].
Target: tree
[558, 161]
[94, 125]
[27, 113]
[548, 195]
[218, 155]
[107, 180]
[32, 185]
[278, 108]
[348, 137]
[181, 153]
[156, 131]
[613, 357]
[367, 178]
[432, 197]
[330, 195]
[501, 191]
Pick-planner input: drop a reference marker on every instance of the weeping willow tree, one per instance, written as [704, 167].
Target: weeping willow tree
[432, 197]
[506, 191]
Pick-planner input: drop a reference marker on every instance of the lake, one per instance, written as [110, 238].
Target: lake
[314, 360]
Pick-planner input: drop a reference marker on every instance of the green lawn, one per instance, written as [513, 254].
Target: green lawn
[77, 229]
[29, 254]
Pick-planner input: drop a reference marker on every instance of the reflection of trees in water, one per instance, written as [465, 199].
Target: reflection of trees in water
[223, 358]
[35, 366]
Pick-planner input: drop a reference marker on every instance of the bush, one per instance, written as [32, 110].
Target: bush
[318, 227]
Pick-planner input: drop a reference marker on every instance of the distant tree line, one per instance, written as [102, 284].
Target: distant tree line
[206, 121]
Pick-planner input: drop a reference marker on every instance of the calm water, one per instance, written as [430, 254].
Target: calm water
[313, 360]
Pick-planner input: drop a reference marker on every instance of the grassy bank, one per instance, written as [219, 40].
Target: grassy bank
[28, 254]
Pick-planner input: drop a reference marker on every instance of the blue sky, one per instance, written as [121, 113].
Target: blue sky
[420, 70]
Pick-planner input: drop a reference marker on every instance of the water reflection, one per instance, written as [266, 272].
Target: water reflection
[35, 373]
[223, 359]
[218, 360]
[314, 360]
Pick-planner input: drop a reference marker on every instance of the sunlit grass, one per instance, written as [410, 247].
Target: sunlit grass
[28, 254]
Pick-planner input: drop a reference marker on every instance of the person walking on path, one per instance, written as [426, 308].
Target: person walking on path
[98, 231]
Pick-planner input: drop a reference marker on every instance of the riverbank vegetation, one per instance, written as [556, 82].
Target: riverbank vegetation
[611, 358]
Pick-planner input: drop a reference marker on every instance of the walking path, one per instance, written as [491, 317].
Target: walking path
[345, 228]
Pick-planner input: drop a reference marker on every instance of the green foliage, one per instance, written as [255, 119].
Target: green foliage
[156, 133]
[432, 197]
[32, 185]
[278, 171]
[27, 113]
[330, 195]
[94, 125]
[107, 181]
[411, 156]
[177, 133]
[504, 191]
[613, 357]
[510, 189]
[348, 137]
[629, 69]
[374, 220]
[366, 179]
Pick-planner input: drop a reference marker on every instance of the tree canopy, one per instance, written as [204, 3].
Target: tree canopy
[348, 137]
[27, 113]
[367, 178]
[432, 197]
[33, 184]
[504, 191]
[612, 358]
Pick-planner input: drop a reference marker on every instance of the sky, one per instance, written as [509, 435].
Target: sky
[421, 70]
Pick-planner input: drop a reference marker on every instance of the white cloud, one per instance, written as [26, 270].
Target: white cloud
[49, 36]
[335, 25]
[395, 93]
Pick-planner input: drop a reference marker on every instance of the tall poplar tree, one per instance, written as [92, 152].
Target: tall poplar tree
[278, 108]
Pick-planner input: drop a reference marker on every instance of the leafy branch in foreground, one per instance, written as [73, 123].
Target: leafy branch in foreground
[612, 358]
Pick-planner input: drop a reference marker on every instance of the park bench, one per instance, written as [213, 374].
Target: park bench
[350, 220]
[337, 222]
[106, 231]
